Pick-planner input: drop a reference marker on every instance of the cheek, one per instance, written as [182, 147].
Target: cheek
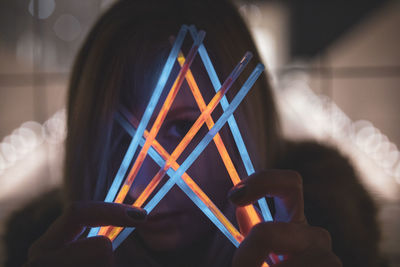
[211, 175]
[146, 173]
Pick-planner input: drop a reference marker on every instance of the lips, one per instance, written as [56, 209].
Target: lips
[163, 216]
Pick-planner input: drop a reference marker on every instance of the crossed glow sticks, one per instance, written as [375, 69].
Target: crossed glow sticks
[146, 139]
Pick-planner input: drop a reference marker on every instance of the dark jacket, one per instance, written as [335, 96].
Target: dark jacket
[334, 199]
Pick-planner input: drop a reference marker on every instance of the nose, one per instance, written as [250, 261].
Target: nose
[146, 173]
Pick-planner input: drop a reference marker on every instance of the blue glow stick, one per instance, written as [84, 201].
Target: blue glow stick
[231, 121]
[145, 120]
[184, 187]
[199, 148]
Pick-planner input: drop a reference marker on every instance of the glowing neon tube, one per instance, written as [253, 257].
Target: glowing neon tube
[159, 120]
[252, 215]
[231, 121]
[185, 141]
[145, 119]
[159, 155]
[199, 148]
[210, 123]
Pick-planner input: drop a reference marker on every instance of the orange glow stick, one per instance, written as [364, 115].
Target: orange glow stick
[112, 232]
[158, 122]
[252, 215]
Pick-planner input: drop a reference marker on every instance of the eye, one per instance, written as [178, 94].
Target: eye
[179, 128]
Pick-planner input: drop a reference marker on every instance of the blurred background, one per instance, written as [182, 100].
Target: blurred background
[335, 66]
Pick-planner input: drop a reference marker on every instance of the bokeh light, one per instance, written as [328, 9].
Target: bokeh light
[67, 27]
[45, 8]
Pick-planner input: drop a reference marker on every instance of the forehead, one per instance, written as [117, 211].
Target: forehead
[184, 97]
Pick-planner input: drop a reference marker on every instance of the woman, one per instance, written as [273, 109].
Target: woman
[118, 65]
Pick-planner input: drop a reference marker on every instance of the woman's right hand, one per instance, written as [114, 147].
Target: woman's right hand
[289, 234]
[60, 245]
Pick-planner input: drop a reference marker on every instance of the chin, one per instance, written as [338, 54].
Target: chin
[165, 241]
[172, 229]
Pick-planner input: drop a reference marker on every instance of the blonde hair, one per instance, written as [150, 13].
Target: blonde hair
[123, 52]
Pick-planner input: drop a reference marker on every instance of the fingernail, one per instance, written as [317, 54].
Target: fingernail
[136, 214]
[237, 192]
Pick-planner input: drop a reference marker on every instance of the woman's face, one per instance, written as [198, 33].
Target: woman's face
[176, 221]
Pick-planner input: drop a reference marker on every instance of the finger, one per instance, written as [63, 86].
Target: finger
[81, 214]
[95, 251]
[313, 257]
[284, 185]
[278, 238]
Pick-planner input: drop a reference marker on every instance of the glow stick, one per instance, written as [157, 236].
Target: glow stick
[210, 123]
[199, 148]
[252, 215]
[186, 139]
[231, 121]
[159, 155]
[159, 120]
[145, 120]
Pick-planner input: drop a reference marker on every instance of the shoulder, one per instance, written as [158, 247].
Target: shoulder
[27, 224]
[311, 157]
[329, 178]
[335, 199]
[324, 169]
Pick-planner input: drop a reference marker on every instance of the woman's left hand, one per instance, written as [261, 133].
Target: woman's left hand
[289, 234]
